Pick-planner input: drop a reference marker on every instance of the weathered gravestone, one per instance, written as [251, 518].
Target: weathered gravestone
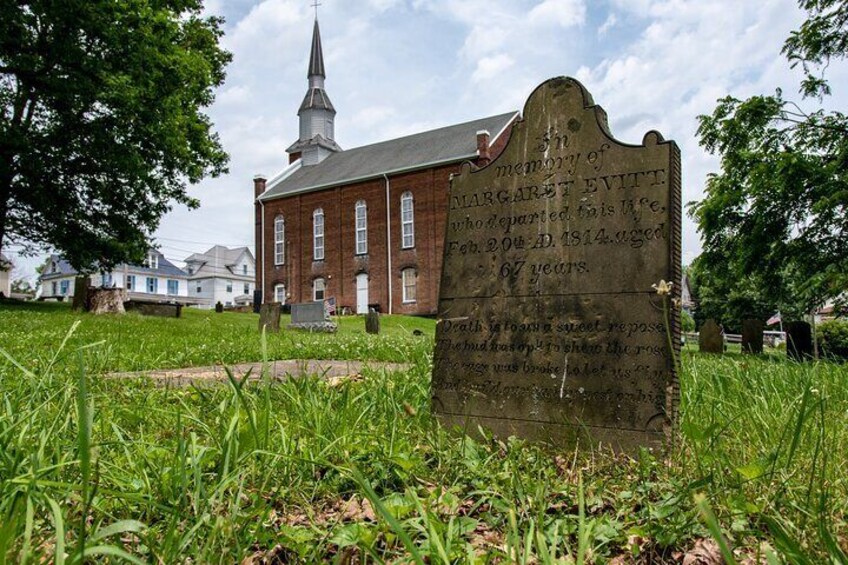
[159, 309]
[752, 336]
[219, 307]
[311, 316]
[799, 341]
[372, 322]
[269, 317]
[549, 326]
[710, 338]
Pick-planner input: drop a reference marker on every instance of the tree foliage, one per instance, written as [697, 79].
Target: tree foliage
[774, 219]
[101, 121]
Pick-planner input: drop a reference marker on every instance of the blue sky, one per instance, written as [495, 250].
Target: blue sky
[396, 67]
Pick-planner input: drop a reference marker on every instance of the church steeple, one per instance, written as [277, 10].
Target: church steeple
[316, 113]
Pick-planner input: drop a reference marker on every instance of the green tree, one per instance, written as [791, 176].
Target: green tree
[775, 220]
[101, 121]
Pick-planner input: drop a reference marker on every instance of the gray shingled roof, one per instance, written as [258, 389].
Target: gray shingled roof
[452, 143]
[166, 268]
[316, 55]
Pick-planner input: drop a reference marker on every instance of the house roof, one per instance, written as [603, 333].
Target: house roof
[166, 268]
[217, 261]
[444, 145]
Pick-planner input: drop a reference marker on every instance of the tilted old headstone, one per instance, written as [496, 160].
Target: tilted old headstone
[799, 341]
[752, 336]
[549, 328]
[269, 317]
[710, 338]
[372, 322]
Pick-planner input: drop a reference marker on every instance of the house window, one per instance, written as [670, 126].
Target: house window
[361, 228]
[173, 287]
[199, 289]
[64, 286]
[318, 290]
[152, 260]
[152, 285]
[244, 269]
[280, 293]
[106, 280]
[230, 287]
[53, 286]
[407, 221]
[131, 282]
[246, 288]
[279, 240]
[190, 269]
[408, 276]
[318, 234]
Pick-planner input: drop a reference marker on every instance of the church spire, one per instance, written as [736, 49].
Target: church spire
[316, 56]
[317, 114]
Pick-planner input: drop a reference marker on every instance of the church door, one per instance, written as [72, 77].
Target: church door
[362, 293]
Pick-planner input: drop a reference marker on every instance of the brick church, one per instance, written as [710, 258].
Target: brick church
[364, 226]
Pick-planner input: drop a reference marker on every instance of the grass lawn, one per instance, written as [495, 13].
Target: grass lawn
[103, 470]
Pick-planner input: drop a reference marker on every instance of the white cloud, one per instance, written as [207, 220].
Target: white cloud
[564, 13]
[490, 67]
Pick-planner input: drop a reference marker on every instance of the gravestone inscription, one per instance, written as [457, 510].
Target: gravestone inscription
[710, 338]
[549, 326]
[752, 336]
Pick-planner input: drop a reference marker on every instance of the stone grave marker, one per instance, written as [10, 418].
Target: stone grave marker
[549, 327]
[372, 322]
[311, 316]
[219, 307]
[710, 338]
[799, 341]
[752, 336]
[269, 317]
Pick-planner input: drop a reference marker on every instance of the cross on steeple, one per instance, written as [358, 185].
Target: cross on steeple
[315, 5]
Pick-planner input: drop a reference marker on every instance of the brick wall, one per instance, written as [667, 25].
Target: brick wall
[341, 264]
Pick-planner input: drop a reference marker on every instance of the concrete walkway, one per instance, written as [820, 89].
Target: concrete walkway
[277, 370]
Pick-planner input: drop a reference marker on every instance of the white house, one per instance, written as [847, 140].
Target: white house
[5, 276]
[222, 275]
[157, 280]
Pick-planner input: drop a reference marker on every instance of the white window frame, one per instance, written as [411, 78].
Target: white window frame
[130, 283]
[153, 260]
[247, 288]
[280, 293]
[171, 283]
[155, 285]
[409, 279]
[318, 234]
[279, 240]
[407, 220]
[361, 227]
[316, 290]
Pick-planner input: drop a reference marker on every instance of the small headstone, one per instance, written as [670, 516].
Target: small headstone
[799, 341]
[549, 328]
[372, 322]
[312, 317]
[269, 317]
[752, 336]
[219, 308]
[710, 338]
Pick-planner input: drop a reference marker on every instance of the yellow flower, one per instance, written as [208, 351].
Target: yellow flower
[662, 287]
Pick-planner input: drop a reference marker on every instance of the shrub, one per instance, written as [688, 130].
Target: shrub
[687, 322]
[833, 338]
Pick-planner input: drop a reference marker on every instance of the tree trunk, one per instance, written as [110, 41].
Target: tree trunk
[80, 294]
[106, 300]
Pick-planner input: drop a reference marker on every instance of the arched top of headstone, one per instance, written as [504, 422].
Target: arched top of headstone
[568, 110]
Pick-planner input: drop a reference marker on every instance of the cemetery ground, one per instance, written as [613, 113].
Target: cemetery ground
[351, 471]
